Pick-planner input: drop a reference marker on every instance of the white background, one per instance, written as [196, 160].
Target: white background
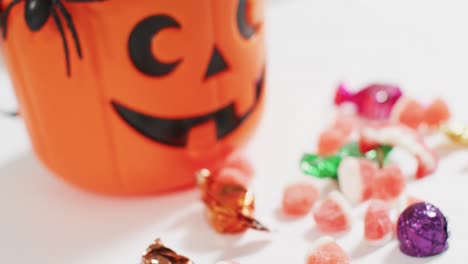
[421, 45]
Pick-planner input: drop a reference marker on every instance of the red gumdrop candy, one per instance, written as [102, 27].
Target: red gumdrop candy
[233, 176]
[345, 124]
[326, 251]
[413, 200]
[241, 164]
[334, 214]
[299, 198]
[428, 160]
[407, 200]
[378, 226]
[330, 141]
[437, 113]
[409, 112]
[356, 176]
[388, 183]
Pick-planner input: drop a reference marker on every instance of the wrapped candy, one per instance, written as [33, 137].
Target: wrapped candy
[373, 102]
[158, 253]
[404, 137]
[327, 167]
[320, 167]
[230, 207]
[456, 132]
[422, 230]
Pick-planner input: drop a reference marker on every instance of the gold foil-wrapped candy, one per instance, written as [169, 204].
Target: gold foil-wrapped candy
[456, 132]
[230, 207]
[157, 253]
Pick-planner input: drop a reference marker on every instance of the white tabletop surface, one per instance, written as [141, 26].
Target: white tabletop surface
[421, 45]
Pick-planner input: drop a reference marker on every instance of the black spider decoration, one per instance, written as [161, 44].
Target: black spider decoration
[36, 14]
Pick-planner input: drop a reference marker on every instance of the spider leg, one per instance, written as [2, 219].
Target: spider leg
[4, 17]
[70, 24]
[64, 38]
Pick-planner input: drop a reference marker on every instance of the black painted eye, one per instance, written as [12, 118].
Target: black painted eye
[36, 13]
[139, 45]
[245, 29]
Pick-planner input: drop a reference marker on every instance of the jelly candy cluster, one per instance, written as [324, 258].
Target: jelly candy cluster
[353, 151]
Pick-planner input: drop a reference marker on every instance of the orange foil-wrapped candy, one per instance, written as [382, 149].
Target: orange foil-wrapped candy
[230, 207]
[157, 253]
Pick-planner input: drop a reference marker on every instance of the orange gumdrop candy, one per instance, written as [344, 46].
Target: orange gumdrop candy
[330, 141]
[299, 198]
[232, 176]
[409, 112]
[334, 214]
[378, 226]
[437, 112]
[326, 251]
[389, 183]
[242, 164]
[345, 124]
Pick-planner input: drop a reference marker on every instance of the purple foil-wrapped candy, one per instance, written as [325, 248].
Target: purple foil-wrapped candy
[422, 230]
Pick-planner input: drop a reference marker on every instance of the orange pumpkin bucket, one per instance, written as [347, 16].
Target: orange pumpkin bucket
[133, 98]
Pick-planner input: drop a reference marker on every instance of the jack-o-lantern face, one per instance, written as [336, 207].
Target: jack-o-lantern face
[164, 87]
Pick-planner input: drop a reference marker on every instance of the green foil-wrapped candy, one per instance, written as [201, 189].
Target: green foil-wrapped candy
[321, 167]
[327, 167]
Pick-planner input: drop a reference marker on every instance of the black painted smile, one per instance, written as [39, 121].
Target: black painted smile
[174, 132]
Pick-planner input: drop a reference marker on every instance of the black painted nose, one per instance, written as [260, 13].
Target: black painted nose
[217, 64]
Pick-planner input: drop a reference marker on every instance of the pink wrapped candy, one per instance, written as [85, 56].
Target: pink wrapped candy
[299, 198]
[373, 102]
[326, 251]
[405, 138]
[378, 226]
[355, 176]
[334, 214]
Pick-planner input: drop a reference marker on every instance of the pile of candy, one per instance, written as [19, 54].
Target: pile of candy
[353, 150]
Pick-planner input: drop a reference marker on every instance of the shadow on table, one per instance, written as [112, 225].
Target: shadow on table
[200, 238]
[43, 220]
[395, 256]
